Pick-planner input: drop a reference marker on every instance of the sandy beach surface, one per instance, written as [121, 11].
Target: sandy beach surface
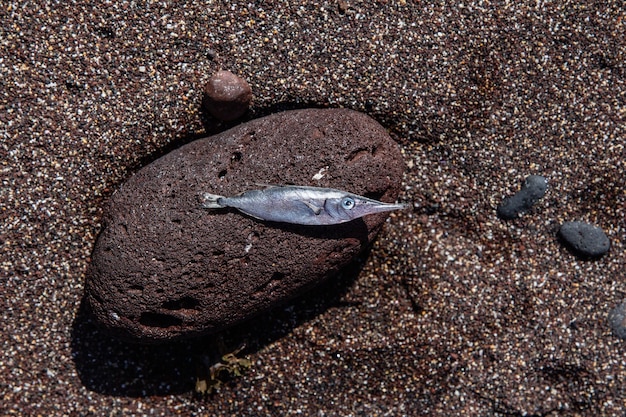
[452, 312]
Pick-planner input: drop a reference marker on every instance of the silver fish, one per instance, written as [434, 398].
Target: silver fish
[300, 205]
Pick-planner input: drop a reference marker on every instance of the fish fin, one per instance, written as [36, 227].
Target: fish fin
[211, 201]
[265, 185]
[314, 207]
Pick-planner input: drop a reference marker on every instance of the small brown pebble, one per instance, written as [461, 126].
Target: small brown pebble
[227, 96]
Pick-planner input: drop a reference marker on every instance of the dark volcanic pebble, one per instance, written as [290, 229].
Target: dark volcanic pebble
[165, 268]
[617, 320]
[584, 239]
[532, 190]
[227, 96]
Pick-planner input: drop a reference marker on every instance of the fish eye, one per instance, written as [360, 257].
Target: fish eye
[347, 203]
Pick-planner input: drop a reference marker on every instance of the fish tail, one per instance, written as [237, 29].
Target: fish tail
[211, 201]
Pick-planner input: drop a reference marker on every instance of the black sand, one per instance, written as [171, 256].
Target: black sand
[454, 312]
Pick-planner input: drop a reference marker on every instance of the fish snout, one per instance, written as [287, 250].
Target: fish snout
[373, 207]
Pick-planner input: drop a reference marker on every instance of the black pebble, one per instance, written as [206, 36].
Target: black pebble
[617, 320]
[533, 189]
[584, 239]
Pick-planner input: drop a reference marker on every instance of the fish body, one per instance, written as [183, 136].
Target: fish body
[300, 205]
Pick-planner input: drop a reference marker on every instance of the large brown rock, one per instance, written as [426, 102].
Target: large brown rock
[165, 268]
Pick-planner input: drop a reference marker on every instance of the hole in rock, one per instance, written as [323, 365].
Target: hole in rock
[185, 303]
[135, 288]
[222, 173]
[357, 154]
[159, 320]
[236, 156]
[277, 276]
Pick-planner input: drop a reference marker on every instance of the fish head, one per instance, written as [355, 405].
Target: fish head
[350, 206]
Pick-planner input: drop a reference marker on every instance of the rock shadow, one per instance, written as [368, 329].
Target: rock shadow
[356, 229]
[117, 367]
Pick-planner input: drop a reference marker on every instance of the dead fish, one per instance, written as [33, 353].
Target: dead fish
[300, 205]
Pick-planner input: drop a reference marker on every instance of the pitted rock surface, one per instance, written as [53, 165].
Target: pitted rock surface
[164, 268]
